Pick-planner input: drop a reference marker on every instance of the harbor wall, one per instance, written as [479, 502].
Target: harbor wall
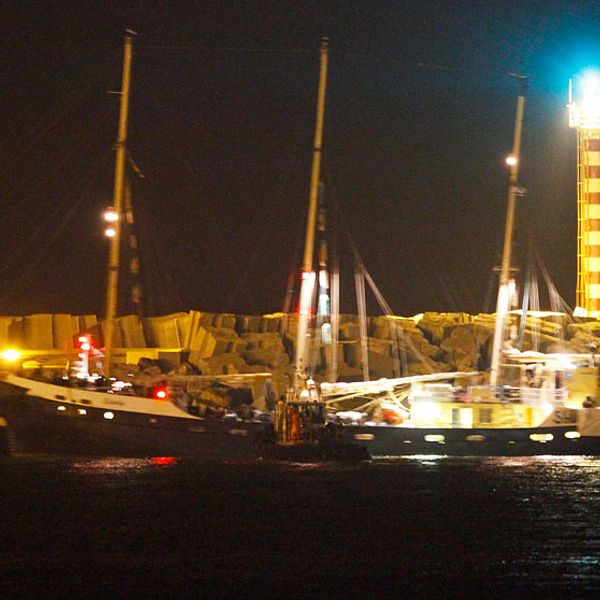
[218, 343]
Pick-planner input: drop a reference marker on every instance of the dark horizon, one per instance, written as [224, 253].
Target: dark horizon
[419, 117]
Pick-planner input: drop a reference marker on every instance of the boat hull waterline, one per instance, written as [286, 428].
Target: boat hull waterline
[395, 440]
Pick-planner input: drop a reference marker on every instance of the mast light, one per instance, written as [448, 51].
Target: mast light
[511, 160]
[111, 215]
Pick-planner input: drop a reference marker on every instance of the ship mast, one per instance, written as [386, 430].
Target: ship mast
[119, 185]
[514, 190]
[308, 274]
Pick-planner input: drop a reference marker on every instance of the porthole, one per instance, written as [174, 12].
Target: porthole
[572, 435]
[61, 408]
[434, 437]
[475, 438]
[541, 437]
[364, 436]
[109, 415]
[241, 432]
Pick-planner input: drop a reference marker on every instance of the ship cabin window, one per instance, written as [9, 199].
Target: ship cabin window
[475, 438]
[462, 417]
[485, 415]
[572, 435]
[109, 415]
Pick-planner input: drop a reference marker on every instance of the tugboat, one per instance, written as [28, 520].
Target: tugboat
[301, 433]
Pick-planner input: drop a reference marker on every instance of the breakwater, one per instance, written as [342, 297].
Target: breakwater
[218, 343]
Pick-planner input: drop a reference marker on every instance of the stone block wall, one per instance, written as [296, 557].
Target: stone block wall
[227, 343]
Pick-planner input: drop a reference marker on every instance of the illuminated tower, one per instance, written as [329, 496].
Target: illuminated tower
[584, 115]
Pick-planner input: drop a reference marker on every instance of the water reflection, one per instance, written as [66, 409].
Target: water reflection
[121, 465]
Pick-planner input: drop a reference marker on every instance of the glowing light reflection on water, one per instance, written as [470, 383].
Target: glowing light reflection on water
[430, 523]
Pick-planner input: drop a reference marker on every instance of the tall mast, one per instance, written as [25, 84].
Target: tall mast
[308, 275]
[115, 242]
[514, 190]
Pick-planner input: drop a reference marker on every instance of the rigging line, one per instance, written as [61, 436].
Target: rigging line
[535, 306]
[48, 222]
[383, 304]
[228, 49]
[450, 69]
[557, 303]
[52, 119]
[335, 53]
[552, 289]
[294, 268]
[71, 155]
[403, 335]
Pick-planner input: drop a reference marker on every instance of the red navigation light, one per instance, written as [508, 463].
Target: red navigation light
[160, 393]
[84, 343]
[163, 460]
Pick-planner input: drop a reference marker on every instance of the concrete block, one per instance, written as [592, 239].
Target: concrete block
[64, 329]
[163, 332]
[224, 364]
[206, 320]
[269, 356]
[186, 326]
[262, 340]
[271, 323]
[247, 324]
[87, 323]
[211, 341]
[349, 331]
[38, 332]
[117, 338]
[225, 321]
[11, 331]
[132, 333]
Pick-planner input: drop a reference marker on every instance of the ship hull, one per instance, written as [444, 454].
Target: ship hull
[41, 425]
[396, 440]
[53, 419]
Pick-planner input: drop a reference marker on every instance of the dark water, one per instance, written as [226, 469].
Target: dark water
[442, 527]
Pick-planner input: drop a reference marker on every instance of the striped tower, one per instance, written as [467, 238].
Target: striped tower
[588, 222]
[584, 116]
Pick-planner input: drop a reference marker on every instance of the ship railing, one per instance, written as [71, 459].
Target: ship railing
[534, 396]
[541, 397]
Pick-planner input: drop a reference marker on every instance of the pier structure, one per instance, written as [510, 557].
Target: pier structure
[584, 116]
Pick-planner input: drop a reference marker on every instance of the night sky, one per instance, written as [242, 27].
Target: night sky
[419, 117]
